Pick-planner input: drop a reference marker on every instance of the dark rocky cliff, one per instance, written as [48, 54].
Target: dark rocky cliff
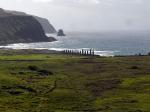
[47, 26]
[21, 29]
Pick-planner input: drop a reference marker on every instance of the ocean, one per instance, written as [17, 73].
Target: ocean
[104, 43]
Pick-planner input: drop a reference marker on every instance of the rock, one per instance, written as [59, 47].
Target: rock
[60, 33]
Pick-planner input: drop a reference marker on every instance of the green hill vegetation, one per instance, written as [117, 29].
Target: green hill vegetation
[60, 83]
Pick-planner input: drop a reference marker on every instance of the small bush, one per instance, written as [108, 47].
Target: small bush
[134, 67]
[33, 68]
[29, 89]
[15, 92]
[45, 72]
[21, 73]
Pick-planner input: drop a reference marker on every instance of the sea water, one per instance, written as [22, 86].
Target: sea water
[104, 43]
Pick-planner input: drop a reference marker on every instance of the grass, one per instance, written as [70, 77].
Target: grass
[61, 83]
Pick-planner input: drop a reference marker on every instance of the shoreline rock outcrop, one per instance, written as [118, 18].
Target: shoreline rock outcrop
[61, 33]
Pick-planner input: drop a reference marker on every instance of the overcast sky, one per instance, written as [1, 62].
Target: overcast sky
[87, 15]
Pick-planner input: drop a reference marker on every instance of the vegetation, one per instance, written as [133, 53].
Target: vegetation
[61, 83]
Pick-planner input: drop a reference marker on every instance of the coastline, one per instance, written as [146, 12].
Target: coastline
[9, 51]
[50, 39]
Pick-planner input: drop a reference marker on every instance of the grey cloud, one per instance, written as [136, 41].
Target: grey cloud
[91, 15]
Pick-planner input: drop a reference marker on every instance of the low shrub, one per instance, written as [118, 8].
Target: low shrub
[134, 67]
[33, 68]
[45, 72]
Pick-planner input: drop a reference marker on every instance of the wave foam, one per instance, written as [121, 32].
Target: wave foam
[42, 46]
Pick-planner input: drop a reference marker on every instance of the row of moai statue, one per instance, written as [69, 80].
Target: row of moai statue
[80, 52]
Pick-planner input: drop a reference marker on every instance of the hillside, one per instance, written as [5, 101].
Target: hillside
[20, 29]
[60, 83]
[47, 26]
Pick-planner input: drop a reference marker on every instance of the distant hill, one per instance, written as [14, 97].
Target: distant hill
[47, 26]
[20, 28]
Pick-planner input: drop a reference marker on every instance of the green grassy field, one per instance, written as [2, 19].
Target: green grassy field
[60, 83]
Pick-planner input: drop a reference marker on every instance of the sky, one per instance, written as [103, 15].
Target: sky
[87, 15]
